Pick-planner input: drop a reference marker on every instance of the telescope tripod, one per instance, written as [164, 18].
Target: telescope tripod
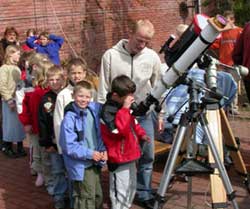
[232, 145]
[195, 114]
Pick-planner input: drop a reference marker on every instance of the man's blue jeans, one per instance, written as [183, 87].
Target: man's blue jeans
[145, 163]
[60, 183]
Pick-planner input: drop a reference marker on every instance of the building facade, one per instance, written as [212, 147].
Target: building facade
[91, 26]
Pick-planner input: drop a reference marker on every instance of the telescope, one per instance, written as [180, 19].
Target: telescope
[192, 44]
[166, 47]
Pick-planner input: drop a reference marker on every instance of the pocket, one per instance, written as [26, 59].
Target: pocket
[76, 188]
[112, 166]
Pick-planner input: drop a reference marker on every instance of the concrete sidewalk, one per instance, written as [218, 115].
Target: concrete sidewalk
[17, 190]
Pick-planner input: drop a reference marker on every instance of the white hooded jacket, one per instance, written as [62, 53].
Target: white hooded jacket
[63, 98]
[143, 68]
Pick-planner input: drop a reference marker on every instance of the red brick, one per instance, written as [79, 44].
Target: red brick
[105, 22]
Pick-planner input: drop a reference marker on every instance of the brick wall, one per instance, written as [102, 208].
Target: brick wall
[90, 26]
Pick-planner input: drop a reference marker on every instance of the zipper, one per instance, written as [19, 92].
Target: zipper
[132, 67]
[123, 139]
[133, 132]
[122, 146]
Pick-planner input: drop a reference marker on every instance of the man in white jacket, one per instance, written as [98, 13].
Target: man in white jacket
[133, 58]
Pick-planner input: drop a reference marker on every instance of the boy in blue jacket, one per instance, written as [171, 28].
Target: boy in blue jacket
[82, 147]
[48, 44]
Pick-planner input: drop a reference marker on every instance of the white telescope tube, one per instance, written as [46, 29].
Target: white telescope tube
[205, 38]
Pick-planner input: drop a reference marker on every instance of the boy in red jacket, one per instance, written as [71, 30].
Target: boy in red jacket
[121, 134]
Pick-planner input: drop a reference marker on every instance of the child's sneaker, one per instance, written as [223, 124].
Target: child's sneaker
[10, 153]
[33, 172]
[60, 204]
[39, 180]
[21, 152]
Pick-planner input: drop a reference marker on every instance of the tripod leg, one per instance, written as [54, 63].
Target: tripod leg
[191, 150]
[218, 162]
[230, 142]
[183, 150]
[218, 193]
[170, 164]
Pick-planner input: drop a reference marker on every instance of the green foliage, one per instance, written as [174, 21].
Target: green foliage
[241, 9]
[219, 5]
[224, 5]
[206, 3]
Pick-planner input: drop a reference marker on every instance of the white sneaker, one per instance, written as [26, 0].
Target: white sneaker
[33, 172]
[39, 180]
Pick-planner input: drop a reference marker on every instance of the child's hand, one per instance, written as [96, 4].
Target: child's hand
[97, 156]
[104, 156]
[160, 125]
[12, 105]
[146, 138]
[128, 101]
[50, 149]
[28, 129]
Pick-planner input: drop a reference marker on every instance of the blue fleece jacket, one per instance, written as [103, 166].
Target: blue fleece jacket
[51, 49]
[77, 156]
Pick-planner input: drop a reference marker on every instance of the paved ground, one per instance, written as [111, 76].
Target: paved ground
[17, 188]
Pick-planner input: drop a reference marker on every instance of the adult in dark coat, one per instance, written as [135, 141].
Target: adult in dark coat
[241, 54]
[10, 37]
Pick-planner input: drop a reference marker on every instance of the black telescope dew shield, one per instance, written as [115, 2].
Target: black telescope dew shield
[193, 42]
[166, 47]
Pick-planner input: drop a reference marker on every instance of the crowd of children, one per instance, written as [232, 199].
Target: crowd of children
[58, 115]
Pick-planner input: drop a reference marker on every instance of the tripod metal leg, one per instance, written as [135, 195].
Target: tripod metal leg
[191, 151]
[170, 164]
[218, 162]
[189, 193]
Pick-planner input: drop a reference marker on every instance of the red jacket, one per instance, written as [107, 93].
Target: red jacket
[26, 48]
[122, 144]
[30, 106]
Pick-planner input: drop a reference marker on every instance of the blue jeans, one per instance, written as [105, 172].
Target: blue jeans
[145, 163]
[60, 183]
[168, 132]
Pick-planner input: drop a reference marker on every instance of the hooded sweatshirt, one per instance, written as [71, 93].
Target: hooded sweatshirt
[143, 68]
